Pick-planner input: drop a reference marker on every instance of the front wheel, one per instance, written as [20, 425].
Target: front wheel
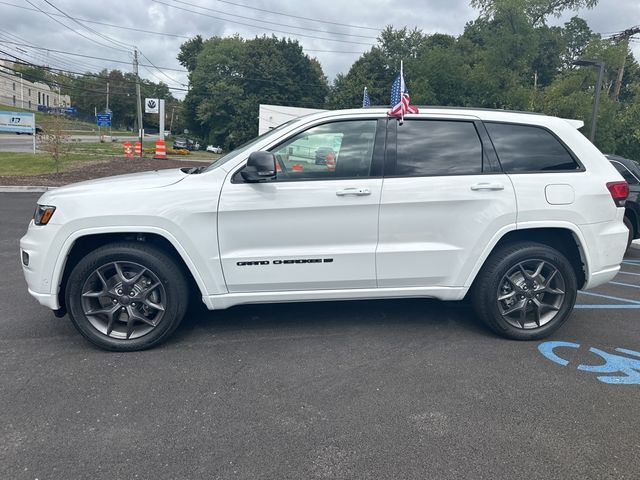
[525, 291]
[126, 296]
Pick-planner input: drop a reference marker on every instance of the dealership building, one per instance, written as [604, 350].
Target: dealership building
[17, 92]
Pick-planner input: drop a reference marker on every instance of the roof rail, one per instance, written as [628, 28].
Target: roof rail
[442, 107]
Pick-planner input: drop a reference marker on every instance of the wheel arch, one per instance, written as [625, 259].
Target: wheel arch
[82, 242]
[567, 240]
[631, 214]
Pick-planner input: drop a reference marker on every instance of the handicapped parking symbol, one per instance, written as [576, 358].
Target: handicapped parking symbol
[623, 370]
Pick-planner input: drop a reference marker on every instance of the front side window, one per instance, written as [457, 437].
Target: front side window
[328, 151]
[526, 148]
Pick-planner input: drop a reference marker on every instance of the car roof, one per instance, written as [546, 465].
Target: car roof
[485, 114]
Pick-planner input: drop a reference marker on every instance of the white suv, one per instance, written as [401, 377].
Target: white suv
[519, 211]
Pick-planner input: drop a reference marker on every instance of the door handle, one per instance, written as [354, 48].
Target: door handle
[487, 186]
[353, 191]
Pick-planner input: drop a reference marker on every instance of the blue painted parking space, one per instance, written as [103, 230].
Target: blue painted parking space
[622, 293]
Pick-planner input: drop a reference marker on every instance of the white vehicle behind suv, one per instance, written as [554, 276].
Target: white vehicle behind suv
[518, 211]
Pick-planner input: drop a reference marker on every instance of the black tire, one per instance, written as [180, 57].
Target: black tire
[507, 283]
[134, 314]
[629, 225]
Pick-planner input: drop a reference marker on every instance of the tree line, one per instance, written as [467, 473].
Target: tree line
[508, 58]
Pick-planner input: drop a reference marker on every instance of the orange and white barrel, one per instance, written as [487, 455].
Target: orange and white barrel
[161, 149]
[138, 149]
[127, 149]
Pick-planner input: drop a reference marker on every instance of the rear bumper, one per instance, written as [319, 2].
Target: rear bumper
[607, 243]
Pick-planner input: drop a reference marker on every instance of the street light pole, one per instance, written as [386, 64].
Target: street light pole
[585, 62]
[596, 102]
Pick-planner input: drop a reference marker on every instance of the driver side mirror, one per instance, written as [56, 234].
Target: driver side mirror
[261, 166]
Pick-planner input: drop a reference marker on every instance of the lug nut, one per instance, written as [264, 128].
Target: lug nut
[120, 292]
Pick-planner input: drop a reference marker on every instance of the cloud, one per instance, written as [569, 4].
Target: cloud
[443, 16]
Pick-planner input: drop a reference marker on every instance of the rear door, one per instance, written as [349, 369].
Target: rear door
[316, 225]
[444, 198]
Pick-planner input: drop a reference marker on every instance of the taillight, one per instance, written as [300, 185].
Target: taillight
[619, 192]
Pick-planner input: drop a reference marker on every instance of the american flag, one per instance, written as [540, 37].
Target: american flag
[366, 102]
[400, 98]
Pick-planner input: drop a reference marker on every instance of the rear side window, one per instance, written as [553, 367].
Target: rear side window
[525, 148]
[438, 147]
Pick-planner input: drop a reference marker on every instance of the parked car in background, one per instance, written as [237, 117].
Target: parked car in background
[212, 149]
[183, 143]
[630, 171]
[323, 154]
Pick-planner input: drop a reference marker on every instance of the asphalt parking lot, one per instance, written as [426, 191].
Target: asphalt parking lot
[411, 389]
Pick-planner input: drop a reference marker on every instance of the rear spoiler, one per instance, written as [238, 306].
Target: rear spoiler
[574, 123]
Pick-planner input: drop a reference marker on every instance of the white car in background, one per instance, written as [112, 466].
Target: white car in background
[212, 149]
[516, 211]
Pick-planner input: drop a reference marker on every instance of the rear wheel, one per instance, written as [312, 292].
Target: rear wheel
[525, 291]
[126, 296]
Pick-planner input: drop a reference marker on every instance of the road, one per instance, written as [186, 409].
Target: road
[408, 389]
[10, 142]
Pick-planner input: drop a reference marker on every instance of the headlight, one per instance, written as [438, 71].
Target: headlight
[43, 214]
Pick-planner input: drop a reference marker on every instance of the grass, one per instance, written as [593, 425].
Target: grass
[12, 163]
[24, 163]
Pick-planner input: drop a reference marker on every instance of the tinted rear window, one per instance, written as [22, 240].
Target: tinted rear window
[436, 147]
[525, 148]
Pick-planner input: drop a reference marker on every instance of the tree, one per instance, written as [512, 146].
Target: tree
[232, 76]
[576, 35]
[189, 52]
[53, 139]
[536, 10]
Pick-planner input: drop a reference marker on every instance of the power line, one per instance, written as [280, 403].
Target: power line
[274, 23]
[113, 60]
[298, 17]
[69, 28]
[164, 34]
[258, 26]
[159, 70]
[95, 32]
[152, 32]
[21, 61]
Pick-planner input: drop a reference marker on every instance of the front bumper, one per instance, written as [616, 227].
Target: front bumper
[39, 243]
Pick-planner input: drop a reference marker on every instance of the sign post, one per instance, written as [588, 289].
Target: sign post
[156, 105]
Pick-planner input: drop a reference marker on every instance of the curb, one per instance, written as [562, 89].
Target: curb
[24, 188]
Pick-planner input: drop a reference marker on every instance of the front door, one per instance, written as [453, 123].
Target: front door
[315, 226]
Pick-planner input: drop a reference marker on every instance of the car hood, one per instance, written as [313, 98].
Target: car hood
[126, 183]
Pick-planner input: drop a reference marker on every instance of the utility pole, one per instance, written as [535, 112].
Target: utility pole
[106, 110]
[173, 109]
[623, 38]
[21, 91]
[138, 101]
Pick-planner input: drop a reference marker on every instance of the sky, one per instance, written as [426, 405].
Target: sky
[336, 32]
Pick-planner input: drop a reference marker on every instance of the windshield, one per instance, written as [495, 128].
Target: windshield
[246, 146]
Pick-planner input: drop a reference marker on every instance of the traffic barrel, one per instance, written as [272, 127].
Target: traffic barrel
[161, 149]
[138, 149]
[127, 149]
